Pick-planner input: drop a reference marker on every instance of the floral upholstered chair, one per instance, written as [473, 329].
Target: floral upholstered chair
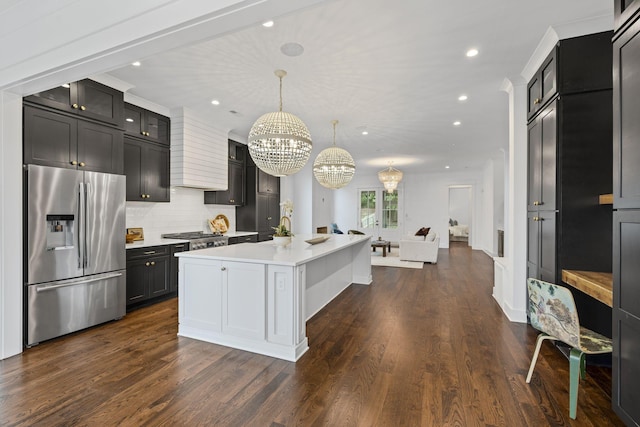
[553, 312]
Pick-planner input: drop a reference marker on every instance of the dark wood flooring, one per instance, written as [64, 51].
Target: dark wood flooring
[423, 347]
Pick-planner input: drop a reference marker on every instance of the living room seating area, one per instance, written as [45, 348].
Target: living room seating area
[420, 247]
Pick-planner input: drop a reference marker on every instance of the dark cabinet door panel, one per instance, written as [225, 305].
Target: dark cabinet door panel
[50, 139]
[548, 175]
[136, 281]
[626, 126]
[133, 169]
[547, 265]
[156, 173]
[100, 148]
[159, 276]
[100, 102]
[133, 120]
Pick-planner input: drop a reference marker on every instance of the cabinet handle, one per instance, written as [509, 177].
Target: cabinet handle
[223, 268]
[148, 196]
[142, 196]
[535, 203]
[232, 201]
[82, 107]
[150, 252]
[147, 263]
[153, 263]
[74, 162]
[269, 218]
[179, 246]
[537, 101]
[143, 133]
[82, 164]
[75, 106]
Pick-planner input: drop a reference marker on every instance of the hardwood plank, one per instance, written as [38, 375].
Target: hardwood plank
[423, 347]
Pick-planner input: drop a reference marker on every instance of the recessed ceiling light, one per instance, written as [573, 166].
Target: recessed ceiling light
[292, 49]
[364, 132]
[215, 102]
[136, 64]
[472, 52]
[129, 119]
[463, 98]
[457, 123]
[446, 167]
[267, 24]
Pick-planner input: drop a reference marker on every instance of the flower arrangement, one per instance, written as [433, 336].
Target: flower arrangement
[284, 228]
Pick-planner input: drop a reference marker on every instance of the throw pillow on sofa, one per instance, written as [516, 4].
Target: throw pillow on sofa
[423, 231]
[415, 237]
[430, 237]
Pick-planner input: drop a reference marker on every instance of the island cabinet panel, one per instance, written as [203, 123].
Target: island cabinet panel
[200, 302]
[281, 294]
[243, 299]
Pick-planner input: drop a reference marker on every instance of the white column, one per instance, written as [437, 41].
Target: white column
[10, 224]
[512, 297]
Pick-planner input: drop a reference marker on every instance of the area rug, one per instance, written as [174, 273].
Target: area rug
[392, 260]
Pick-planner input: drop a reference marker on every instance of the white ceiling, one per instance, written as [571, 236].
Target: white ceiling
[394, 68]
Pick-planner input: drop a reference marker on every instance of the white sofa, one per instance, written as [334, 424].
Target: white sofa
[420, 248]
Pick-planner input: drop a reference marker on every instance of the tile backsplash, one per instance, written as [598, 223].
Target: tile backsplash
[185, 212]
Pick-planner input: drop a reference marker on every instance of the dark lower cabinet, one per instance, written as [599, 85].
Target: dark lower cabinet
[146, 166]
[253, 238]
[148, 274]
[60, 140]
[626, 315]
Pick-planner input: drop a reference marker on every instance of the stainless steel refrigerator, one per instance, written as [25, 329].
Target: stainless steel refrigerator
[75, 263]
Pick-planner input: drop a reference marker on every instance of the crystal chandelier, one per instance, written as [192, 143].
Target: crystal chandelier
[334, 167]
[390, 178]
[279, 143]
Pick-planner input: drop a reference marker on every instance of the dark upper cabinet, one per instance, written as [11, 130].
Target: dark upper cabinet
[60, 140]
[267, 184]
[624, 11]
[542, 160]
[146, 124]
[236, 179]
[626, 125]
[261, 210]
[87, 99]
[542, 86]
[575, 65]
[146, 166]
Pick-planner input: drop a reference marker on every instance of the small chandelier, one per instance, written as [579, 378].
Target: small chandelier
[390, 178]
[334, 167]
[279, 143]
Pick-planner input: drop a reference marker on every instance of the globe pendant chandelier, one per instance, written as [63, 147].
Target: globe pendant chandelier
[390, 178]
[334, 167]
[279, 143]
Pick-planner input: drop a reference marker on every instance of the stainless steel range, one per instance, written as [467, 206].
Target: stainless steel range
[200, 240]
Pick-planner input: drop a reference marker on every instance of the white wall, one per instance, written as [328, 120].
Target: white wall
[424, 200]
[185, 212]
[493, 202]
[10, 224]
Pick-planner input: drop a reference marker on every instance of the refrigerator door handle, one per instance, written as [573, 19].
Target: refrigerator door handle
[75, 282]
[81, 226]
[87, 239]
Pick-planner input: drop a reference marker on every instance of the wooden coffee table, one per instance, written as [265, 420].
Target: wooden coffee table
[384, 244]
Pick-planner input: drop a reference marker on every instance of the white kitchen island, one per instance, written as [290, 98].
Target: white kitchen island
[258, 297]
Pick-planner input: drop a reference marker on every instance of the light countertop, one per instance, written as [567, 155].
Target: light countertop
[296, 253]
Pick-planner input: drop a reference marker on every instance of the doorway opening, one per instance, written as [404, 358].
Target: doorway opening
[460, 213]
